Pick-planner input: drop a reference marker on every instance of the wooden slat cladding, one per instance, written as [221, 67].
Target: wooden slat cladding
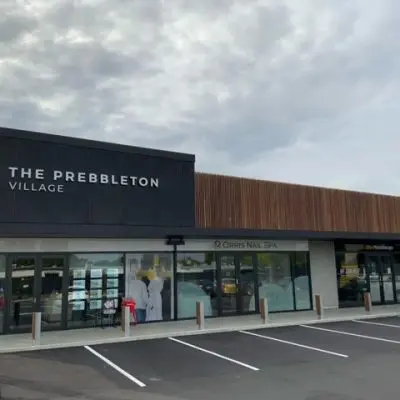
[238, 203]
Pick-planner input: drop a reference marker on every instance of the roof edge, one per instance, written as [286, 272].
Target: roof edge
[94, 144]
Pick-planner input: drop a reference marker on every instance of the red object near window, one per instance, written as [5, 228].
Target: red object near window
[132, 308]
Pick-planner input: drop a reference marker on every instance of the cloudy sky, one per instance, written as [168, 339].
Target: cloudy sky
[303, 91]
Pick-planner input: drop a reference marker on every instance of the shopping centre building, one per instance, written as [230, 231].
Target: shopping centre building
[84, 224]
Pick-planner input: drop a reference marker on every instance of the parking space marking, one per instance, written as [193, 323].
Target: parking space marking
[116, 367]
[295, 344]
[351, 334]
[214, 354]
[376, 323]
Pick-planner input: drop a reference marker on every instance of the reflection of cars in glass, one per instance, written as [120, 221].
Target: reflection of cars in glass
[353, 289]
[188, 295]
[209, 287]
[228, 286]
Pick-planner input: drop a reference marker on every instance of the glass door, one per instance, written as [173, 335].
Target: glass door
[247, 283]
[22, 293]
[237, 283]
[396, 270]
[226, 263]
[35, 284]
[381, 280]
[53, 292]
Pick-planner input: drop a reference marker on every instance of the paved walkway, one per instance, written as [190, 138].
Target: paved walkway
[94, 336]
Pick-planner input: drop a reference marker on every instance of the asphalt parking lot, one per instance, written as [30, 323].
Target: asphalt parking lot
[335, 361]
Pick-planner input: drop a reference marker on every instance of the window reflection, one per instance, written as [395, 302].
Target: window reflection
[275, 281]
[149, 283]
[2, 287]
[21, 306]
[197, 281]
[51, 299]
[96, 288]
[301, 281]
[396, 269]
[352, 278]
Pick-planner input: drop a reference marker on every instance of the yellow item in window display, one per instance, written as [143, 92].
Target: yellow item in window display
[151, 275]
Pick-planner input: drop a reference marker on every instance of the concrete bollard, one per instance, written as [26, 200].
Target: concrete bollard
[36, 327]
[319, 307]
[200, 314]
[264, 310]
[126, 321]
[367, 301]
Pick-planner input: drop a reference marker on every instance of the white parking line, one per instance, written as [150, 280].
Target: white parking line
[376, 323]
[215, 354]
[115, 366]
[296, 344]
[350, 334]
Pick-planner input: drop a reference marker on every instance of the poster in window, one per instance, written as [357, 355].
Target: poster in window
[79, 273]
[112, 272]
[78, 305]
[78, 284]
[112, 293]
[79, 295]
[96, 283]
[112, 283]
[96, 294]
[95, 304]
[96, 273]
[110, 307]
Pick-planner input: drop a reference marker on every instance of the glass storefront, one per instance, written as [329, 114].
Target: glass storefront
[364, 268]
[52, 271]
[275, 280]
[196, 280]
[301, 281]
[22, 291]
[2, 292]
[149, 282]
[231, 283]
[95, 289]
[86, 289]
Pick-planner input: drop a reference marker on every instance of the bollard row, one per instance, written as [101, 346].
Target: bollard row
[126, 317]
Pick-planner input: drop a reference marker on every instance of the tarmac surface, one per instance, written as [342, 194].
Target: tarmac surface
[357, 360]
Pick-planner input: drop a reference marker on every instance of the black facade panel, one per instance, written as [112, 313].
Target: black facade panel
[46, 194]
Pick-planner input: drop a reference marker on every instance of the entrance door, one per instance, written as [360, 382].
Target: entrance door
[22, 290]
[237, 283]
[380, 274]
[53, 297]
[36, 283]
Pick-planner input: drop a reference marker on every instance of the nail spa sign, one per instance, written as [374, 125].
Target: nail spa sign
[55, 181]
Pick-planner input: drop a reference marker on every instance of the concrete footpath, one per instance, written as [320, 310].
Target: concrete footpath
[97, 336]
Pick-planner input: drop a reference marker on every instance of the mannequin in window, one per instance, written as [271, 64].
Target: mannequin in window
[138, 292]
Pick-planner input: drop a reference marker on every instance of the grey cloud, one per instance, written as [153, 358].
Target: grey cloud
[13, 26]
[260, 88]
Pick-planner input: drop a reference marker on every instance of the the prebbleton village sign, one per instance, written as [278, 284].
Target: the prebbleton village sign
[55, 181]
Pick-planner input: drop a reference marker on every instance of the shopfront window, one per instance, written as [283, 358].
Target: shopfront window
[2, 287]
[301, 281]
[275, 280]
[149, 283]
[96, 288]
[351, 279]
[197, 281]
